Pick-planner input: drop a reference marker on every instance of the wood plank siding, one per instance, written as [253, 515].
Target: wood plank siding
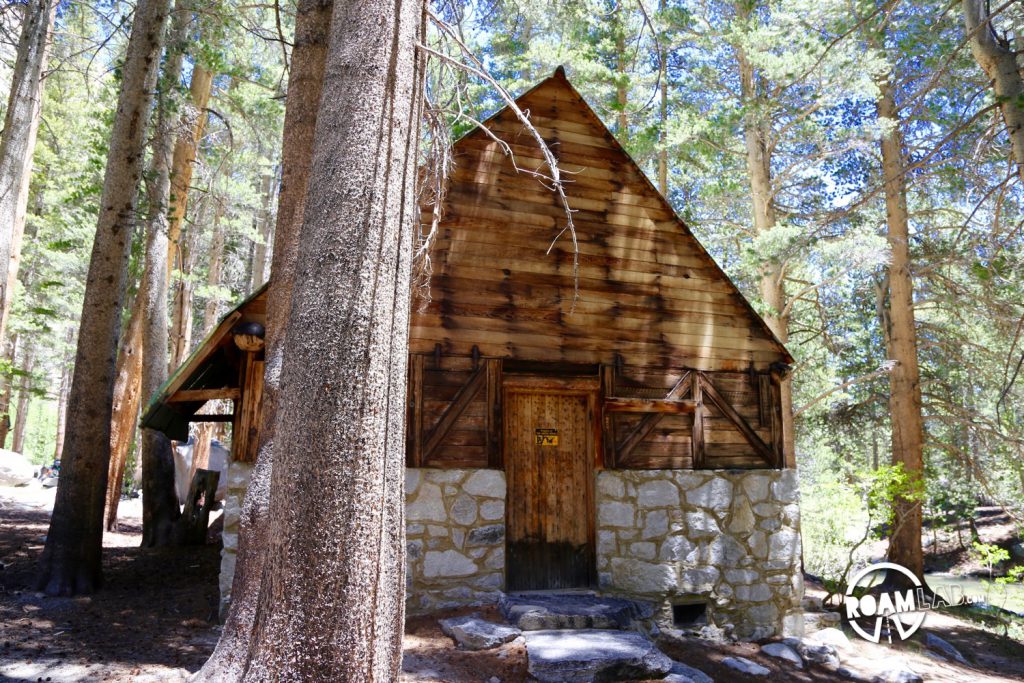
[656, 325]
[648, 291]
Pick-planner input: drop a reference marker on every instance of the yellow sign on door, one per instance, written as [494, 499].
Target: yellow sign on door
[546, 437]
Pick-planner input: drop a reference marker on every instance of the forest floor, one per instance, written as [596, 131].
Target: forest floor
[155, 621]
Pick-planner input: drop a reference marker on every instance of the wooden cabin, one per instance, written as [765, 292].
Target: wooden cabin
[616, 427]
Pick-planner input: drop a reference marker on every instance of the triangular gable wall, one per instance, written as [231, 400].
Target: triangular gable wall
[648, 291]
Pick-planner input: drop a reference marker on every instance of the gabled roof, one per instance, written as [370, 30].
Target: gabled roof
[213, 365]
[621, 219]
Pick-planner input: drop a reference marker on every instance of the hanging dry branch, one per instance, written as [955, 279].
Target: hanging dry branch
[552, 179]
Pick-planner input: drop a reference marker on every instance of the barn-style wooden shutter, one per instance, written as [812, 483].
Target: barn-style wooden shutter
[425, 438]
[694, 393]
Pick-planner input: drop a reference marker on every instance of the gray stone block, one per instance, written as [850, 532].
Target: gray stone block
[427, 506]
[493, 534]
[746, 666]
[716, 494]
[448, 563]
[472, 633]
[658, 493]
[489, 483]
[783, 651]
[593, 655]
[616, 514]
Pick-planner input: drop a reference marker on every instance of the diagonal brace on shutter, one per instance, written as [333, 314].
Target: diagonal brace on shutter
[648, 423]
[454, 410]
[741, 425]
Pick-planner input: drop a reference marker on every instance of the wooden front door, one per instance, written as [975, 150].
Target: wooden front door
[549, 464]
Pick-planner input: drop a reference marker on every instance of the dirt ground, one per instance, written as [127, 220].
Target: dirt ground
[155, 620]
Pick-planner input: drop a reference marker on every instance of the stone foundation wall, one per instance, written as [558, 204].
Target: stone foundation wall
[729, 537]
[238, 474]
[455, 531]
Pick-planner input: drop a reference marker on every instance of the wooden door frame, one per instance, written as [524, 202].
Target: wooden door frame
[572, 386]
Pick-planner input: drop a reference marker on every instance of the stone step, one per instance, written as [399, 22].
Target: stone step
[536, 611]
[591, 655]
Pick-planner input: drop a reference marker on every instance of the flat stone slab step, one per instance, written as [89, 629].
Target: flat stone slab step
[593, 656]
[547, 611]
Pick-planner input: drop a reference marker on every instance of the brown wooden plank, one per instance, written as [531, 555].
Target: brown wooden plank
[697, 430]
[761, 448]
[647, 405]
[230, 417]
[494, 412]
[192, 395]
[453, 411]
[649, 422]
[414, 447]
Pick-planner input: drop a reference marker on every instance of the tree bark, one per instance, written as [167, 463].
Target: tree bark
[904, 380]
[621, 81]
[259, 265]
[24, 397]
[159, 502]
[230, 659]
[214, 272]
[331, 604]
[663, 117]
[999, 62]
[179, 256]
[71, 558]
[19, 141]
[10, 348]
[185, 158]
[756, 137]
[62, 398]
[127, 398]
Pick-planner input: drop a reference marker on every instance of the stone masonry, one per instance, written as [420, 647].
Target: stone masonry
[455, 529]
[238, 474]
[730, 537]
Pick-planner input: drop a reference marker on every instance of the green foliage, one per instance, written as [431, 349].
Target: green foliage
[989, 555]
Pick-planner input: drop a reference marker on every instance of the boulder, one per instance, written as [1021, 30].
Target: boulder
[592, 655]
[933, 642]
[783, 651]
[684, 672]
[15, 469]
[542, 612]
[746, 666]
[833, 637]
[813, 651]
[898, 672]
[472, 633]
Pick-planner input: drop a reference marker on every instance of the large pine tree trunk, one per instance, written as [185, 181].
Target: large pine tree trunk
[127, 398]
[160, 509]
[71, 558]
[19, 141]
[266, 228]
[331, 602]
[663, 117]
[999, 61]
[181, 256]
[24, 397]
[62, 399]
[215, 272]
[762, 195]
[10, 348]
[904, 380]
[312, 21]
[185, 159]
